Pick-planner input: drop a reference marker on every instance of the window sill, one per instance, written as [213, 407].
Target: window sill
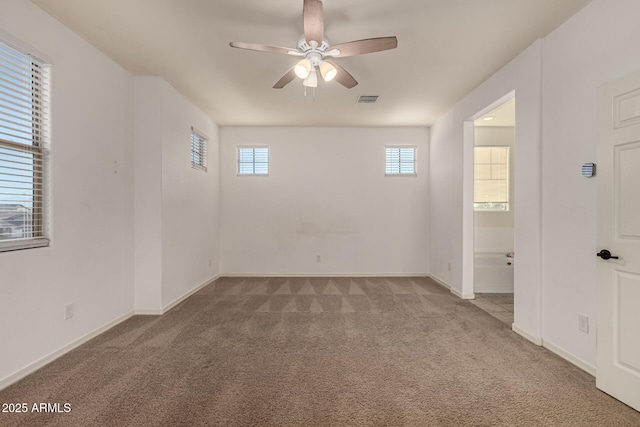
[16, 245]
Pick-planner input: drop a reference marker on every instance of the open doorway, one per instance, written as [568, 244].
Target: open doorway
[493, 211]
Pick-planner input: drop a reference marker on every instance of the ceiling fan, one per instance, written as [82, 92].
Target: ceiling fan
[315, 49]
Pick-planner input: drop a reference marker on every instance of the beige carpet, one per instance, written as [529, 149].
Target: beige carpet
[316, 352]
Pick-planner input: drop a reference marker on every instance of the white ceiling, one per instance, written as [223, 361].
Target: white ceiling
[502, 116]
[445, 49]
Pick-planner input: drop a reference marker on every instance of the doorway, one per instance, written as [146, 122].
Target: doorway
[493, 211]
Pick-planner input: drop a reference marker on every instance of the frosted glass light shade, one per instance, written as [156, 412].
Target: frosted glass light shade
[327, 71]
[303, 68]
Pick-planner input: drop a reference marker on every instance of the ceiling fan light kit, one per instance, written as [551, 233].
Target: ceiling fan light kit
[317, 51]
[327, 71]
[303, 68]
[312, 80]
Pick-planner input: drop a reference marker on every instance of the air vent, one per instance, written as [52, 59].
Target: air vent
[367, 99]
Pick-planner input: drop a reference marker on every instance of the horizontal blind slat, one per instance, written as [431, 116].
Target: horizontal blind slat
[198, 150]
[400, 160]
[23, 117]
[253, 160]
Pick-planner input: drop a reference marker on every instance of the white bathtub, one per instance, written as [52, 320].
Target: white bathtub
[491, 274]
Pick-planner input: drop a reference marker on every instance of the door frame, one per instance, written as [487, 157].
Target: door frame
[468, 227]
[527, 234]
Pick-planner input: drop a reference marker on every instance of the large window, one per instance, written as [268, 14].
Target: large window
[198, 150]
[491, 178]
[253, 160]
[23, 139]
[400, 160]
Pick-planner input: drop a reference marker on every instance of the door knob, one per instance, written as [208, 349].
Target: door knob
[605, 254]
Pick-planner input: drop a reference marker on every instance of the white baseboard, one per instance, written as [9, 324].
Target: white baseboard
[149, 312]
[188, 294]
[163, 310]
[33, 367]
[439, 281]
[534, 339]
[324, 275]
[569, 357]
[462, 295]
[453, 291]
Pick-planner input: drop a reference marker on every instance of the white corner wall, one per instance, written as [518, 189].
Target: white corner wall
[148, 193]
[555, 81]
[190, 200]
[326, 194]
[90, 260]
[442, 202]
[597, 45]
[451, 162]
[176, 211]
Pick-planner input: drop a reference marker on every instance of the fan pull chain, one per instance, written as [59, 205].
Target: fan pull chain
[313, 93]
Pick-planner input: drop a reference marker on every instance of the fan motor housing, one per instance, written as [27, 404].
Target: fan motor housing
[305, 47]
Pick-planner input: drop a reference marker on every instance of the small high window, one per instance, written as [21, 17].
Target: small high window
[400, 160]
[198, 150]
[253, 160]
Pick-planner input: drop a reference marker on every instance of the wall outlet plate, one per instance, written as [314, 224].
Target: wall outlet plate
[583, 323]
[68, 311]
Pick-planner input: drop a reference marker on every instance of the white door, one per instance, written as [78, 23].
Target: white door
[618, 231]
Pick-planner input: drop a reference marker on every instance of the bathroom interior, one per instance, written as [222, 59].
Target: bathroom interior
[494, 205]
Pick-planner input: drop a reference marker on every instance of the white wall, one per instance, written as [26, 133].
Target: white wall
[90, 260]
[190, 199]
[326, 195]
[555, 82]
[442, 200]
[133, 225]
[176, 229]
[452, 141]
[148, 193]
[599, 44]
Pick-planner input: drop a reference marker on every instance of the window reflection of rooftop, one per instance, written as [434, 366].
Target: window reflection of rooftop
[15, 221]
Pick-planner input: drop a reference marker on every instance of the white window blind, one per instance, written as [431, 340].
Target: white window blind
[199, 144]
[400, 160]
[253, 160]
[491, 178]
[23, 138]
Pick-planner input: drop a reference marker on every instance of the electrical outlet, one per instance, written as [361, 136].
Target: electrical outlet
[210, 262]
[583, 323]
[318, 258]
[68, 311]
[449, 266]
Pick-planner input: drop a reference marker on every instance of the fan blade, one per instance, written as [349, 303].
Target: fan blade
[265, 48]
[313, 21]
[359, 47]
[343, 77]
[285, 80]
